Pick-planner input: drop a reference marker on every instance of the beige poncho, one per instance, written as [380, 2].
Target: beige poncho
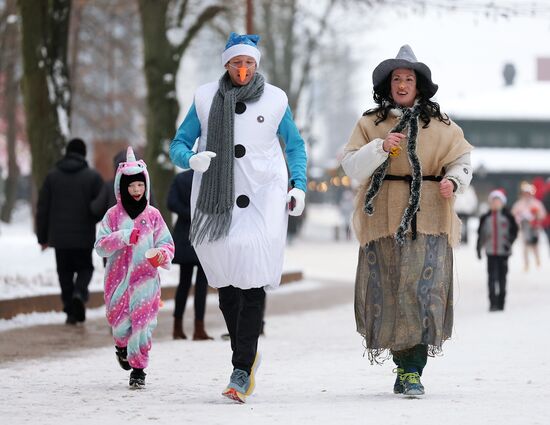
[438, 146]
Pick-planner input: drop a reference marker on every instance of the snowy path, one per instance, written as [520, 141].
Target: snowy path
[494, 371]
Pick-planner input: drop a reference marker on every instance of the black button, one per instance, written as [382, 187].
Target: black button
[240, 107]
[243, 201]
[240, 150]
[260, 118]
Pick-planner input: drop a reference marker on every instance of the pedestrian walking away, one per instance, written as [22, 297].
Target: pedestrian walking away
[239, 199]
[496, 234]
[409, 159]
[65, 221]
[135, 240]
[179, 202]
[529, 213]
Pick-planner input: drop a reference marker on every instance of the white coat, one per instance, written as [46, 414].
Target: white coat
[251, 256]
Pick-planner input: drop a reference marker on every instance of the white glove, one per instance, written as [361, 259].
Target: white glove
[201, 161]
[298, 197]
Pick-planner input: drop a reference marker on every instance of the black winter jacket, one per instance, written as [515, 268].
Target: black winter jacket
[64, 218]
[179, 201]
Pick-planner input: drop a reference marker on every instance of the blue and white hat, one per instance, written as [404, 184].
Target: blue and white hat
[245, 44]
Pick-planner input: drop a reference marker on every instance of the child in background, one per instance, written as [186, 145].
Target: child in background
[497, 232]
[130, 233]
[529, 213]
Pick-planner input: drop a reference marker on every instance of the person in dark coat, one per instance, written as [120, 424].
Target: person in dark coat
[179, 201]
[65, 221]
[496, 234]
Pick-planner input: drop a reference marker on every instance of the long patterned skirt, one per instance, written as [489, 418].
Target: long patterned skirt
[404, 294]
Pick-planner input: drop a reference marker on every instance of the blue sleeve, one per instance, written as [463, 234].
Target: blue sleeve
[187, 134]
[295, 150]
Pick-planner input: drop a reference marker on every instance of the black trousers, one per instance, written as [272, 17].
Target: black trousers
[201, 288]
[243, 310]
[75, 270]
[497, 266]
[412, 360]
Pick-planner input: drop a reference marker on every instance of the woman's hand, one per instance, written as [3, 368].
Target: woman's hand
[391, 141]
[446, 188]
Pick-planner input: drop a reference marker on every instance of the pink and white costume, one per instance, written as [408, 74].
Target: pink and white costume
[132, 284]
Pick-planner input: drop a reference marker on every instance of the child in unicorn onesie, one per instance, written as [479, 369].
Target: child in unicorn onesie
[132, 284]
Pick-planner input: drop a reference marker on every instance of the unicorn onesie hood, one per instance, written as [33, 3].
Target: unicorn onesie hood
[132, 284]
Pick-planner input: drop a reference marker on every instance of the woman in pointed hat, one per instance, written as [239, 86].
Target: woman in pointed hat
[129, 231]
[410, 159]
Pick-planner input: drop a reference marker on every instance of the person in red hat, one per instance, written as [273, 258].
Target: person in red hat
[496, 233]
[529, 213]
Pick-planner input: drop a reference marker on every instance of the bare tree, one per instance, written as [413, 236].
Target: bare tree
[46, 90]
[292, 35]
[9, 55]
[106, 71]
[169, 27]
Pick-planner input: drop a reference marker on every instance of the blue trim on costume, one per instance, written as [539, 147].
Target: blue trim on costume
[295, 150]
[182, 144]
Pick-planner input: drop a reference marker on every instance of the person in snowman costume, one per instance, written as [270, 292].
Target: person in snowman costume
[240, 198]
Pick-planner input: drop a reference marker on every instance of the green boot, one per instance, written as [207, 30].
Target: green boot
[412, 385]
[398, 385]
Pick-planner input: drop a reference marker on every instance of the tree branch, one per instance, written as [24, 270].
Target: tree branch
[206, 15]
[313, 43]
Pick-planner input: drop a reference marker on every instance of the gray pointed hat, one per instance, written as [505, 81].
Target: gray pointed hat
[405, 59]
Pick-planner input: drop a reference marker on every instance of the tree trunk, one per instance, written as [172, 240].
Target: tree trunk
[9, 59]
[161, 62]
[44, 26]
[161, 67]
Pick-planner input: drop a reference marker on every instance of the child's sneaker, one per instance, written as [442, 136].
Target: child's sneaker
[122, 357]
[412, 385]
[137, 378]
[398, 385]
[238, 386]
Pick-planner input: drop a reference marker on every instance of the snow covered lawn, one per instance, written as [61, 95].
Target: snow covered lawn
[495, 370]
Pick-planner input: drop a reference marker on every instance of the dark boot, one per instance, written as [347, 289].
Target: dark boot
[78, 309]
[137, 378]
[122, 357]
[200, 334]
[177, 333]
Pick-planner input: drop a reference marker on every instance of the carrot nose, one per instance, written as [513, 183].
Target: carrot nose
[242, 73]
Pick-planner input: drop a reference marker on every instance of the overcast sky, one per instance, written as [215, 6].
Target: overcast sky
[465, 51]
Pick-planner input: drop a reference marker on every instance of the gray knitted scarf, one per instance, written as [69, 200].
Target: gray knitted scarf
[408, 119]
[212, 218]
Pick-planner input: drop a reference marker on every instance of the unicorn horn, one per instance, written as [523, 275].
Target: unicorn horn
[130, 157]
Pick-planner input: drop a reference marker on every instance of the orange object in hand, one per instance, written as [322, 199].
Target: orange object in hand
[395, 151]
[242, 73]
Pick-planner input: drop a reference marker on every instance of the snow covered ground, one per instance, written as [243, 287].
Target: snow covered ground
[495, 370]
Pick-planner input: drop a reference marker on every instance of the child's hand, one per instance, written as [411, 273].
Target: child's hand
[155, 256]
[134, 236]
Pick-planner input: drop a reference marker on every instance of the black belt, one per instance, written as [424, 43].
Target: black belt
[408, 179]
